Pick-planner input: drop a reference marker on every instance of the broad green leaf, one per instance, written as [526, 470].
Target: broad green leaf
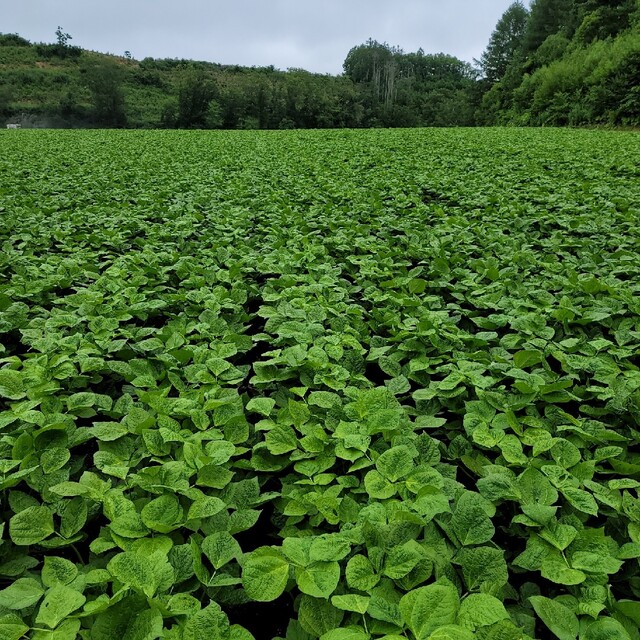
[205, 507]
[135, 571]
[263, 406]
[66, 630]
[317, 616]
[21, 594]
[281, 440]
[360, 574]
[555, 568]
[452, 632]
[377, 486]
[346, 633]
[31, 526]
[483, 568]
[605, 629]
[162, 514]
[351, 602]
[581, 500]
[527, 358]
[595, 562]
[12, 627]
[59, 602]
[146, 625]
[11, 384]
[470, 522]
[395, 463]
[236, 632]
[58, 571]
[328, 548]
[560, 620]
[208, 624]
[220, 548]
[426, 609]
[265, 574]
[480, 610]
[319, 579]
[401, 559]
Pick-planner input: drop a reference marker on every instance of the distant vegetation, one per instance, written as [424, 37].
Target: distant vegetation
[556, 62]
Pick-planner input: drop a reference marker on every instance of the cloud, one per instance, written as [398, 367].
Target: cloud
[314, 35]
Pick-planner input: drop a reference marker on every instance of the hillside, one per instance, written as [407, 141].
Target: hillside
[573, 62]
[564, 62]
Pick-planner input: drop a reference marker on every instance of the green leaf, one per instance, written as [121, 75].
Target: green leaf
[426, 609]
[377, 486]
[21, 594]
[11, 385]
[402, 559]
[12, 627]
[59, 602]
[281, 440]
[146, 625]
[135, 571]
[319, 579]
[66, 630]
[565, 453]
[483, 568]
[208, 624]
[318, 617]
[264, 406]
[360, 574]
[595, 562]
[236, 632]
[453, 632]
[480, 610]
[351, 602]
[265, 574]
[324, 399]
[346, 633]
[470, 522]
[220, 548]
[328, 547]
[395, 463]
[555, 568]
[58, 571]
[560, 620]
[54, 459]
[526, 358]
[581, 500]
[162, 514]
[606, 629]
[205, 507]
[31, 526]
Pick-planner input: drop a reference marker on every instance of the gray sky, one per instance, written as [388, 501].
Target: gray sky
[309, 34]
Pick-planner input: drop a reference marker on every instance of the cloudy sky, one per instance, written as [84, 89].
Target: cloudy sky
[311, 34]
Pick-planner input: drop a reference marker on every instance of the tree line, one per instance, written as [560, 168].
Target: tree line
[555, 62]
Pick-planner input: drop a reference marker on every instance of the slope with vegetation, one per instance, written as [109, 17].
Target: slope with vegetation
[568, 62]
[564, 62]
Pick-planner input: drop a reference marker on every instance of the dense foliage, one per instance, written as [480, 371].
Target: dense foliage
[341, 385]
[573, 62]
[559, 62]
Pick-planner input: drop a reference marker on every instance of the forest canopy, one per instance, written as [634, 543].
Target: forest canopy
[554, 62]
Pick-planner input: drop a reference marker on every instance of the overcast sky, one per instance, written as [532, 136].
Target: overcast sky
[311, 34]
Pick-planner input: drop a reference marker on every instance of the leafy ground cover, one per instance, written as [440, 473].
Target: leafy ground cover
[338, 385]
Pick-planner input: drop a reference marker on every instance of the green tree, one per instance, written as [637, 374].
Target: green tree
[546, 18]
[506, 40]
[105, 81]
[196, 107]
[601, 19]
[375, 65]
[62, 38]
